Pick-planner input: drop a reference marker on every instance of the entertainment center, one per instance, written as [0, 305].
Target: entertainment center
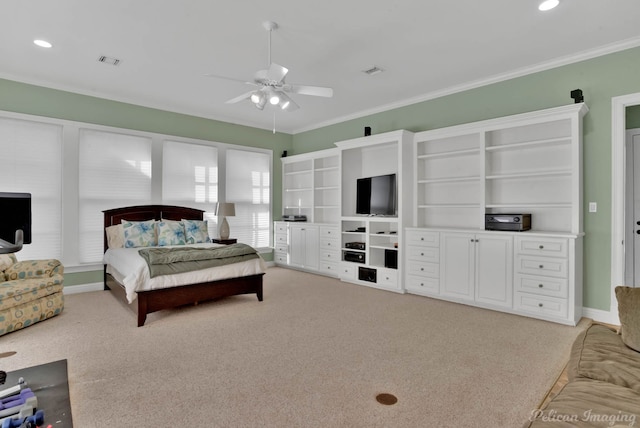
[425, 234]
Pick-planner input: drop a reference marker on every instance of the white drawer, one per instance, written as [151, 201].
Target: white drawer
[554, 247]
[281, 228]
[423, 284]
[387, 278]
[423, 254]
[542, 266]
[281, 248]
[280, 258]
[329, 244]
[329, 268]
[330, 256]
[347, 271]
[555, 287]
[543, 305]
[431, 270]
[423, 238]
[329, 232]
[281, 239]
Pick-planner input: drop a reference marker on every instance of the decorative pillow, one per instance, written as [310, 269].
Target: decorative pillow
[6, 261]
[115, 236]
[170, 232]
[139, 233]
[196, 231]
[629, 314]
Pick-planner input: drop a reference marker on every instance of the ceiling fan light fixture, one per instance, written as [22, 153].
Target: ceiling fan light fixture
[274, 98]
[256, 97]
[260, 104]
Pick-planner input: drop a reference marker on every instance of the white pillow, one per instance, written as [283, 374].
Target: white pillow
[139, 233]
[115, 236]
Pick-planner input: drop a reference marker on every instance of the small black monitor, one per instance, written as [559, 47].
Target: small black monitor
[15, 213]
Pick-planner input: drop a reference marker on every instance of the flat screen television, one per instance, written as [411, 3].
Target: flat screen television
[376, 195]
[15, 213]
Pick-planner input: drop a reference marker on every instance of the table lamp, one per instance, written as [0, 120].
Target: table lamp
[224, 210]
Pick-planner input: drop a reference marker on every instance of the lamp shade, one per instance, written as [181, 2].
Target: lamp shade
[226, 209]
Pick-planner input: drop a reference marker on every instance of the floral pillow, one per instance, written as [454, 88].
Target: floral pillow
[196, 231]
[170, 232]
[139, 233]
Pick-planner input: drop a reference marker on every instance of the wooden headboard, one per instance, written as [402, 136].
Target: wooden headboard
[148, 212]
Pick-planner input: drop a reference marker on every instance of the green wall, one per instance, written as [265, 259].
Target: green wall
[40, 101]
[600, 79]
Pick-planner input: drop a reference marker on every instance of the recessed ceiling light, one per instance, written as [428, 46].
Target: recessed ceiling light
[548, 5]
[42, 43]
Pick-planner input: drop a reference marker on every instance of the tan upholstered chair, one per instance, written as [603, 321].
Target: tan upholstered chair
[30, 291]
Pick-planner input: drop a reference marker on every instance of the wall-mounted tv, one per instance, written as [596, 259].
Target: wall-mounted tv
[15, 213]
[376, 195]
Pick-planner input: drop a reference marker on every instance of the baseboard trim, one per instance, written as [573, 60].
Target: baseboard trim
[601, 316]
[83, 288]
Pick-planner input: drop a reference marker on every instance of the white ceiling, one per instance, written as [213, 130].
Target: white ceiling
[427, 48]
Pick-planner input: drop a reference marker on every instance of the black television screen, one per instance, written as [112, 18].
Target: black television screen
[15, 213]
[376, 195]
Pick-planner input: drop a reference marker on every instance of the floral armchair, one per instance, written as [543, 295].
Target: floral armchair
[30, 291]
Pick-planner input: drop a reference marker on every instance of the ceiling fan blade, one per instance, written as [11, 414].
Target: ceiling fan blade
[231, 79]
[240, 98]
[276, 72]
[318, 91]
[291, 106]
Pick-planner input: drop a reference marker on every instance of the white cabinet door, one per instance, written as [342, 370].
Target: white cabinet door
[304, 246]
[494, 270]
[457, 265]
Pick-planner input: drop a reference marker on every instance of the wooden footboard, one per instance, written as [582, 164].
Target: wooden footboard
[173, 297]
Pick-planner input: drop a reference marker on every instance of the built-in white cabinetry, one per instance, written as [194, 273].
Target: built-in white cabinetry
[371, 246]
[477, 267]
[304, 246]
[311, 186]
[528, 163]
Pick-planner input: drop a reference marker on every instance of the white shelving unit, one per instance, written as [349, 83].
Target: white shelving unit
[310, 187]
[380, 265]
[527, 163]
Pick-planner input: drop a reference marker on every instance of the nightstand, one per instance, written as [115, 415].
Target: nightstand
[225, 241]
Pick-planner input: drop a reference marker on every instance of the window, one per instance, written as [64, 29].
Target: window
[190, 178]
[31, 159]
[247, 184]
[114, 171]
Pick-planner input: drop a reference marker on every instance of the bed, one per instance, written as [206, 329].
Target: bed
[246, 279]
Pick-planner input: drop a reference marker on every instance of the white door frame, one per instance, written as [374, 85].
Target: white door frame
[618, 174]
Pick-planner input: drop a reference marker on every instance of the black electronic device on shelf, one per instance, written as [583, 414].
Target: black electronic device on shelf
[355, 245]
[353, 256]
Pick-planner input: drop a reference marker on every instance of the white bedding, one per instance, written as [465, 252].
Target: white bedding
[130, 269]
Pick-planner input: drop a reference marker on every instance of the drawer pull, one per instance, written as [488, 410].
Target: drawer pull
[540, 285]
[540, 305]
[422, 284]
[422, 239]
[541, 266]
[422, 269]
[422, 254]
[541, 247]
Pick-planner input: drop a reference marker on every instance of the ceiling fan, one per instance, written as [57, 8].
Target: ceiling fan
[271, 87]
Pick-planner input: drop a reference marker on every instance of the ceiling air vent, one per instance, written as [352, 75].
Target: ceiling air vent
[108, 60]
[373, 70]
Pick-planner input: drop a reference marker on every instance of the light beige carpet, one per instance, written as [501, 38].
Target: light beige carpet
[314, 353]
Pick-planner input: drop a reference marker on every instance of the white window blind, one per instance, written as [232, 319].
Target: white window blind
[31, 162]
[190, 178]
[247, 184]
[114, 171]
